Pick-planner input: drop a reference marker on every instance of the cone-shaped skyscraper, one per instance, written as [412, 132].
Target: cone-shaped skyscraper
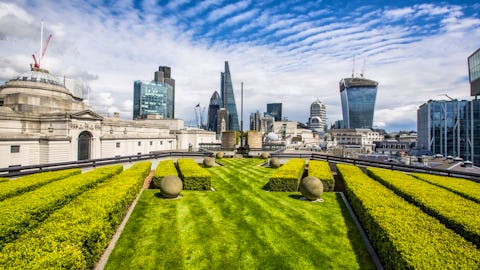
[228, 98]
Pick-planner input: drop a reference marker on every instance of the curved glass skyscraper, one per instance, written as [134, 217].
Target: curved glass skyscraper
[213, 106]
[358, 102]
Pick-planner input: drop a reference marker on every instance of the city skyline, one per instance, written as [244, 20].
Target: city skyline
[288, 53]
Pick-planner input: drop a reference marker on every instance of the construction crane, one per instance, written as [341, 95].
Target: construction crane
[43, 49]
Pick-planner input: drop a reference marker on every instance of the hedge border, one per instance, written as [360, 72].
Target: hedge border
[21, 213]
[403, 235]
[321, 170]
[194, 177]
[164, 168]
[21, 185]
[288, 176]
[453, 210]
[75, 236]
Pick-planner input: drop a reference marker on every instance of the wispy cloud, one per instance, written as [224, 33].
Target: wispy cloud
[282, 52]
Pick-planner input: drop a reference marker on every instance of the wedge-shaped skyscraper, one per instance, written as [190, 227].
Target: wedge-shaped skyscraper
[228, 98]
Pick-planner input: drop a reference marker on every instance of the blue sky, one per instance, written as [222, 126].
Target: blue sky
[292, 52]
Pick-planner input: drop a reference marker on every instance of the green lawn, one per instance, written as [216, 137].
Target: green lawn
[239, 226]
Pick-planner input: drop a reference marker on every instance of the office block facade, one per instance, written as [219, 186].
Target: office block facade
[155, 97]
[275, 110]
[358, 97]
[474, 73]
[318, 116]
[450, 128]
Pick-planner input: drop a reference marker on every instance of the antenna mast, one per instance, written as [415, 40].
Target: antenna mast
[353, 67]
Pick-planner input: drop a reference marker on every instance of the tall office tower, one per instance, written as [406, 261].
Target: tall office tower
[228, 98]
[358, 102]
[155, 97]
[255, 121]
[474, 73]
[213, 106]
[450, 128]
[163, 75]
[275, 110]
[222, 120]
[318, 116]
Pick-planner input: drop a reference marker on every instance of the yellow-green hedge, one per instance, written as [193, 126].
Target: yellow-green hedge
[164, 168]
[194, 177]
[456, 212]
[402, 234]
[21, 213]
[288, 176]
[30, 182]
[466, 188]
[321, 170]
[75, 236]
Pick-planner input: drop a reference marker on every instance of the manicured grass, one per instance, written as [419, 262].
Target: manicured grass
[239, 226]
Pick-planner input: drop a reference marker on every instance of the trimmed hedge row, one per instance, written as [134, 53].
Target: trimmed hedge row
[321, 170]
[456, 212]
[30, 182]
[287, 177]
[403, 235]
[194, 177]
[21, 213]
[164, 168]
[3, 180]
[75, 236]
[466, 188]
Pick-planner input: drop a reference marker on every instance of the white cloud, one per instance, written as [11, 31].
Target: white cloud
[110, 52]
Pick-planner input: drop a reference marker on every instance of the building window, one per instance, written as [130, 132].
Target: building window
[14, 148]
[118, 145]
[139, 143]
[151, 143]
[161, 142]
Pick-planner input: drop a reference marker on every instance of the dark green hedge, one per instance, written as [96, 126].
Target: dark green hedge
[194, 177]
[75, 236]
[466, 188]
[287, 177]
[321, 170]
[456, 212]
[164, 168]
[403, 235]
[21, 213]
[30, 182]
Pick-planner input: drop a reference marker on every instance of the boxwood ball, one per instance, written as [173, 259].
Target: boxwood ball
[171, 186]
[311, 188]
[274, 162]
[208, 162]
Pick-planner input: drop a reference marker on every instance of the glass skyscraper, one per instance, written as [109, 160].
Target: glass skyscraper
[358, 102]
[155, 97]
[213, 107]
[450, 128]
[228, 98]
[275, 110]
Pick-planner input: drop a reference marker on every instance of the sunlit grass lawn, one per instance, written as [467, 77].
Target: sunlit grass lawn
[239, 226]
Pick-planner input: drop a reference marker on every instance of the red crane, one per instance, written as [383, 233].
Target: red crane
[43, 49]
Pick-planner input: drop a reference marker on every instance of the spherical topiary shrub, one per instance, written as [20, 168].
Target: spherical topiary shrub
[264, 155]
[311, 188]
[274, 162]
[171, 186]
[219, 155]
[208, 162]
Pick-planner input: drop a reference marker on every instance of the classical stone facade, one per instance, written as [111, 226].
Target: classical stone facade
[42, 122]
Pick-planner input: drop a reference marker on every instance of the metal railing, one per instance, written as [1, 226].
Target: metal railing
[380, 164]
[24, 170]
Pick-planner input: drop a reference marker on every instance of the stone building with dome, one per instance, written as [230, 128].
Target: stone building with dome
[318, 116]
[42, 121]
